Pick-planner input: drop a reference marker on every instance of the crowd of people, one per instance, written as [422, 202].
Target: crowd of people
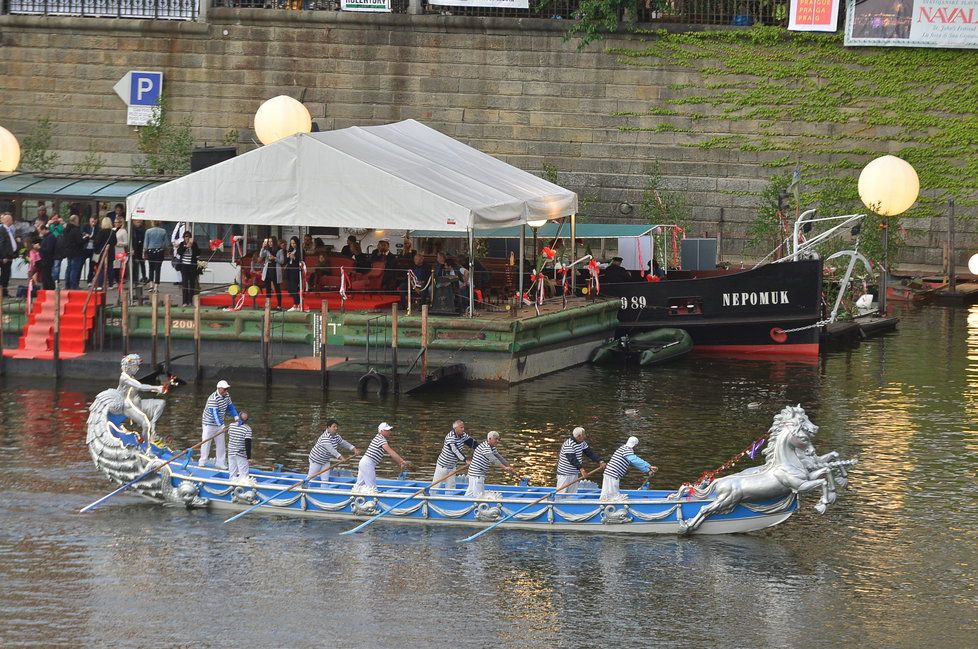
[234, 455]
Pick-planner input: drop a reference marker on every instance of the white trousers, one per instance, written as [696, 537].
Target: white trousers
[609, 487]
[237, 467]
[439, 477]
[316, 467]
[477, 487]
[564, 479]
[366, 476]
[220, 459]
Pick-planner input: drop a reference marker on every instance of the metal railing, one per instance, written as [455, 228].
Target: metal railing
[142, 9]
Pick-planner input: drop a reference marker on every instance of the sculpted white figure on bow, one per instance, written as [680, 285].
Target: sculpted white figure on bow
[144, 412]
[792, 465]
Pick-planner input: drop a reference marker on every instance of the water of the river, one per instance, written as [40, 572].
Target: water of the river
[892, 563]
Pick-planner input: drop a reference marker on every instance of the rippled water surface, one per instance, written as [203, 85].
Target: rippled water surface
[891, 564]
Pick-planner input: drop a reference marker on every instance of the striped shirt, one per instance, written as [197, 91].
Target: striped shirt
[451, 452]
[623, 459]
[216, 409]
[237, 434]
[327, 447]
[376, 450]
[483, 457]
[571, 452]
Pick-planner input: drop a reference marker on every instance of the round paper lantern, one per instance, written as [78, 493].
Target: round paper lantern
[281, 117]
[888, 185]
[973, 264]
[9, 151]
[537, 224]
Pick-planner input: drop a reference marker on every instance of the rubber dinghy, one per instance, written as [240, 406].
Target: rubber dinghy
[752, 500]
[648, 347]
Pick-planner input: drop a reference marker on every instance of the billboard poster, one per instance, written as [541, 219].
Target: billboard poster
[912, 23]
[813, 15]
[501, 4]
[366, 5]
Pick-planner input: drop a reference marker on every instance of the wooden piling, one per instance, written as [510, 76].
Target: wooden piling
[167, 326]
[196, 338]
[322, 345]
[266, 338]
[424, 343]
[154, 300]
[2, 368]
[394, 347]
[56, 345]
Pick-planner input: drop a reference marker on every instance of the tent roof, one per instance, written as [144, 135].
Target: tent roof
[398, 176]
[550, 230]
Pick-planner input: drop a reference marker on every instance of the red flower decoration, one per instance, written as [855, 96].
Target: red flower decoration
[217, 244]
[549, 253]
[652, 278]
[593, 265]
[533, 277]
[120, 256]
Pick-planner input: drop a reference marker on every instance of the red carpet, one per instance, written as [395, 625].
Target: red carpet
[37, 340]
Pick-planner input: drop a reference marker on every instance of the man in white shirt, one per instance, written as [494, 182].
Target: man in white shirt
[8, 249]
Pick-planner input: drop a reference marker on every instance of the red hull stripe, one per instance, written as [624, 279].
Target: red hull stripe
[804, 349]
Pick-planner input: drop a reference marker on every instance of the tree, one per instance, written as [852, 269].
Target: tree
[36, 154]
[166, 147]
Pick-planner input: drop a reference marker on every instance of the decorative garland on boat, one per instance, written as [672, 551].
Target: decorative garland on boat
[707, 477]
[773, 508]
[329, 507]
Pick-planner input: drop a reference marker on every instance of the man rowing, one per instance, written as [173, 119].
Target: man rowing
[569, 468]
[484, 456]
[327, 448]
[218, 406]
[374, 455]
[621, 460]
[239, 450]
[451, 455]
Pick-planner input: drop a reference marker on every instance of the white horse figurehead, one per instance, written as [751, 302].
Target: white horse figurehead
[791, 429]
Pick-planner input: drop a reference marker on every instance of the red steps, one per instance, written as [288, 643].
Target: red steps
[37, 340]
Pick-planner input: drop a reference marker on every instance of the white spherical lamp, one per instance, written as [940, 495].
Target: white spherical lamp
[888, 185]
[537, 224]
[973, 264]
[9, 151]
[280, 117]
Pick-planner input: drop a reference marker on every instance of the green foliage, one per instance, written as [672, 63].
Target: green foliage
[166, 147]
[92, 163]
[660, 206]
[230, 138]
[595, 18]
[36, 154]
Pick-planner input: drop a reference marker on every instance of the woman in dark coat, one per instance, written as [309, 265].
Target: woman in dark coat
[293, 274]
[187, 253]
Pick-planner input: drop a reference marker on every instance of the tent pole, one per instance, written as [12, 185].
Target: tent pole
[129, 256]
[519, 298]
[471, 272]
[573, 256]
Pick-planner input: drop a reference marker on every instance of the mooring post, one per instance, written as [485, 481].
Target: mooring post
[57, 334]
[424, 343]
[2, 368]
[154, 300]
[394, 346]
[324, 325]
[952, 281]
[196, 338]
[266, 339]
[125, 327]
[167, 323]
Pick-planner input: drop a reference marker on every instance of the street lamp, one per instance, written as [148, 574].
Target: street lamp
[280, 117]
[536, 225]
[9, 151]
[888, 186]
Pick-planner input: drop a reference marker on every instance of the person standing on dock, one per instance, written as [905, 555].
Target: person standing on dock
[484, 456]
[374, 455]
[8, 249]
[572, 451]
[451, 455]
[218, 406]
[622, 460]
[239, 450]
[327, 448]
[187, 255]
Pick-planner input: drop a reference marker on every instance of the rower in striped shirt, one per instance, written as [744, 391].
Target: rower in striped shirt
[569, 468]
[484, 456]
[218, 406]
[239, 449]
[327, 448]
[451, 455]
[374, 455]
[621, 460]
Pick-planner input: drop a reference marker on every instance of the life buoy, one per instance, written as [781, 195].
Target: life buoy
[372, 378]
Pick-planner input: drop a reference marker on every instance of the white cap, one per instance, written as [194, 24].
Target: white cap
[223, 384]
[577, 431]
[632, 442]
[384, 426]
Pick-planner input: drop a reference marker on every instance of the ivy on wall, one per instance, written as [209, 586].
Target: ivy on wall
[829, 108]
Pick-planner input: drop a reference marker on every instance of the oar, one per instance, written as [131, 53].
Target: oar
[523, 509]
[401, 502]
[101, 500]
[298, 484]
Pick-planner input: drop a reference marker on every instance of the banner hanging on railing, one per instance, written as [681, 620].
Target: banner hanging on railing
[376, 6]
[813, 15]
[501, 4]
[912, 23]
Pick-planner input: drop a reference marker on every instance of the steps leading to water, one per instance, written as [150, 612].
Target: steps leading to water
[37, 340]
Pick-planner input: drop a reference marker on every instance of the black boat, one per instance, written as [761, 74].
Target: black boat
[771, 309]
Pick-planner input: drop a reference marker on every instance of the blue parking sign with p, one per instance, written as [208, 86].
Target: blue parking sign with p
[145, 88]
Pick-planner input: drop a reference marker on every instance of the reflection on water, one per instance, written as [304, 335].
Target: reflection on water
[891, 564]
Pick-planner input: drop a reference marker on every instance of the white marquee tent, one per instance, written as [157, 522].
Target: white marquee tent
[403, 176]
